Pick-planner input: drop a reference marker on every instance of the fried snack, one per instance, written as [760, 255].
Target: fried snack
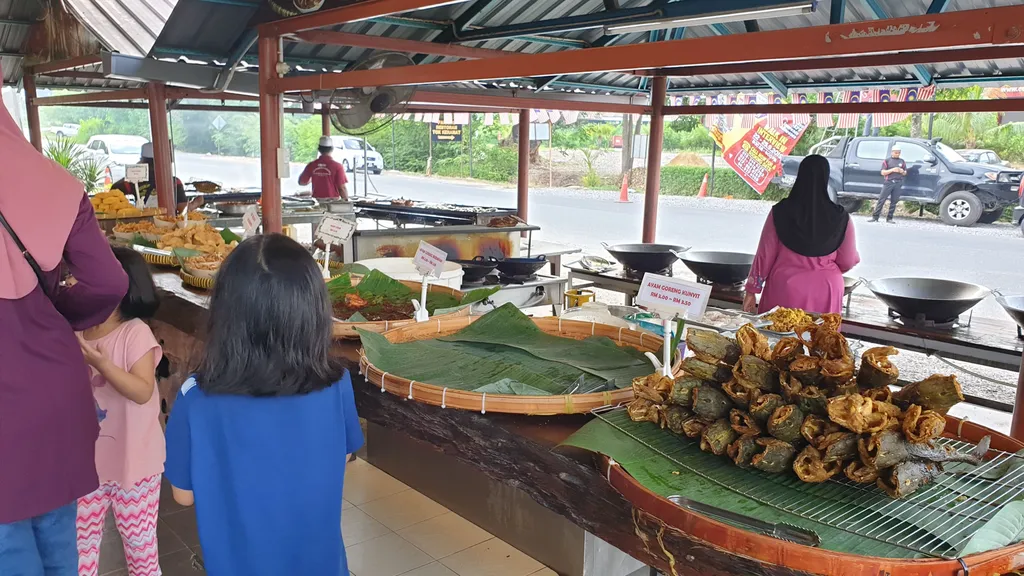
[762, 408]
[710, 403]
[861, 473]
[836, 371]
[706, 371]
[643, 410]
[740, 394]
[786, 350]
[790, 389]
[753, 343]
[881, 394]
[922, 426]
[829, 344]
[717, 437]
[937, 393]
[844, 388]
[905, 478]
[857, 414]
[788, 319]
[144, 227]
[785, 423]
[653, 387]
[113, 202]
[355, 302]
[711, 347]
[201, 237]
[776, 456]
[811, 468]
[831, 321]
[815, 428]
[742, 450]
[876, 370]
[811, 400]
[694, 427]
[743, 423]
[673, 417]
[753, 372]
[889, 448]
[682, 390]
[806, 369]
[839, 446]
[211, 263]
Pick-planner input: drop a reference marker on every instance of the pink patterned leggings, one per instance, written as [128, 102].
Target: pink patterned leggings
[135, 514]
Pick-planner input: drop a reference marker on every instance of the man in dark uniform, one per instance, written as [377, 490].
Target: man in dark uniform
[894, 169]
[147, 190]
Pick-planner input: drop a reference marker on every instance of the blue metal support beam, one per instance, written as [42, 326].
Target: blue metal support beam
[924, 77]
[769, 78]
[838, 13]
[469, 14]
[938, 6]
[434, 25]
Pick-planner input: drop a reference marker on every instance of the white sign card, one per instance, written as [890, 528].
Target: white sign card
[136, 172]
[429, 260]
[674, 296]
[334, 230]
[251, 220]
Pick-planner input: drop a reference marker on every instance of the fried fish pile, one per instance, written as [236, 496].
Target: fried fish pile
[804, 405]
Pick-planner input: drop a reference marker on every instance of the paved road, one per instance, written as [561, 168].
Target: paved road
[992, 256]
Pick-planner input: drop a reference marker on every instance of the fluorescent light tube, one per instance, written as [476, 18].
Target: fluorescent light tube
[793, 9]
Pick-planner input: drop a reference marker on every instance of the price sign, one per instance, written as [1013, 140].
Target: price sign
[334, 230]
[429, 260]
[251, 220]
[672, 295]
[136, 172]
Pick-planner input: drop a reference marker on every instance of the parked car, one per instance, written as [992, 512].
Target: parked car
[63, 131]
[117, 151]
[348, 150]
[1018, 210]
[965, 192]
[983, 157]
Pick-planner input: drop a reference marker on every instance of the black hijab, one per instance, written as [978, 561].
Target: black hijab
[808, 222]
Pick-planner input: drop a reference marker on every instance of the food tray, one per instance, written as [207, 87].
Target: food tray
[196, 282]
[347, 330]
[507, 403]
[670, 523]
[157, 257]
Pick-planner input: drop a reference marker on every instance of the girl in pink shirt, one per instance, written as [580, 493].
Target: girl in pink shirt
[123, 355]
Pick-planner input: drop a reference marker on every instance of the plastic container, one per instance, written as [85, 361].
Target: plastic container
[403, 269]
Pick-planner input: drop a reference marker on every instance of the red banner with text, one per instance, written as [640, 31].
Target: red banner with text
[756, 155]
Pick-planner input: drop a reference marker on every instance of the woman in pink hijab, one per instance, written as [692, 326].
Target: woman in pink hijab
[48, 422]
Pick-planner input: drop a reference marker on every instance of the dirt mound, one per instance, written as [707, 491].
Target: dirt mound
[688, 159]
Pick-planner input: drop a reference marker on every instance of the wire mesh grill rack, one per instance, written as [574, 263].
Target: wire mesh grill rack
[936, 521]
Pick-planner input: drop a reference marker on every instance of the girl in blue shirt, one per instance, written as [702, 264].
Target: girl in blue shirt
[258, 438]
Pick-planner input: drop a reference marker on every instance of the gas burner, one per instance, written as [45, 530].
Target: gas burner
[920, 321]
[638, 275]
[523, 279]
[727, 288]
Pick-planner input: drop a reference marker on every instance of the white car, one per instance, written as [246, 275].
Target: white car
[64, 130]
[348, 151]
[117, 151]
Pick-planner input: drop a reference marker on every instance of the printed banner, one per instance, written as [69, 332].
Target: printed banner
[757, 154]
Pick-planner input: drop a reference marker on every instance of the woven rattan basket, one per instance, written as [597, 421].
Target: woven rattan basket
[439, 395]
[196, 281]
[348, 329]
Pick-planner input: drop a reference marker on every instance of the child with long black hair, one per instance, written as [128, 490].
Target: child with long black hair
[258, 438]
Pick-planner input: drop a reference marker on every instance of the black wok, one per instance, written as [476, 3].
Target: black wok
[927, 298]
[517, 267]
[476, 268]
[719, 267]
[1014, 306]
[645, 257]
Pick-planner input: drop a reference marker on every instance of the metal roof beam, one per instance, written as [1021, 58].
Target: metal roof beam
[938, 6]
[964, 28]
[58, 65]
[566, 24]
[9, 22]
[916, 106]
[349, 13]
[433, 25]
[854, 85]
[611, 4]
[920, 72]
[838, 13]
[132, 68]
[397, 44]
[770, 79]
[106, 96]
[470, 14]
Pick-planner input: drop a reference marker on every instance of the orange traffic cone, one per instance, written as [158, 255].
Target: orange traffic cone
[107, 181]
[703, 187]
[624, 193]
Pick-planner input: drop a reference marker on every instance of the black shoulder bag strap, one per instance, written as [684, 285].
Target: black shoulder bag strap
[24, 252]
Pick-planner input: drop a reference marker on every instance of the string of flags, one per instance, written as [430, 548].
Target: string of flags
[491, 118]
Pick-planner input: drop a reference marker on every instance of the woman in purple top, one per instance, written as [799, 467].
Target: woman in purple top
[48, 423]
[806, 245]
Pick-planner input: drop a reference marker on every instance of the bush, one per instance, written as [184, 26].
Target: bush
[686, 180]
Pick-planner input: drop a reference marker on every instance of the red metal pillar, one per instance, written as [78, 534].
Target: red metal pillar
[35, 133]
[161, 137]
[325, 119]
[271, 113]
[523, 188]
[658, 92]
[1017, 425]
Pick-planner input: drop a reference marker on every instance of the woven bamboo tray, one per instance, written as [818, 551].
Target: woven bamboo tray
[196, 282]
[348, 329]
[168, 260]
[436, 395]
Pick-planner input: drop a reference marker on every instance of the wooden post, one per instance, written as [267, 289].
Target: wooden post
[160, 135]
[325, 119]
[523, 188]
[654, 159]
[35, 133]
[1017, 425]
[551, 130]
[271, 112]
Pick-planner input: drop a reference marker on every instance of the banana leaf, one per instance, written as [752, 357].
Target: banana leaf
[139, 240]
[871, 523]
[230, 236]
[509, 347]
[376, 285]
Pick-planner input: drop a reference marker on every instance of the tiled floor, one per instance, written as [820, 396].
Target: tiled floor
[389, 530]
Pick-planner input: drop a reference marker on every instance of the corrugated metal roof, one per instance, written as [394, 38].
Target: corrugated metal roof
[15, 18]
[126, 26]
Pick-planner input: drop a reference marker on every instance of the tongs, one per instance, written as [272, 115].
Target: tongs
[781, 531]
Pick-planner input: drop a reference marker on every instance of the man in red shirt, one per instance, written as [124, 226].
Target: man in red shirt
[328, 176]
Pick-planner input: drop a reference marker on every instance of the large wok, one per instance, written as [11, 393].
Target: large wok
[719, 267]
[475, 269]
[645, 257]
[1014, 306]
[927, 298]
